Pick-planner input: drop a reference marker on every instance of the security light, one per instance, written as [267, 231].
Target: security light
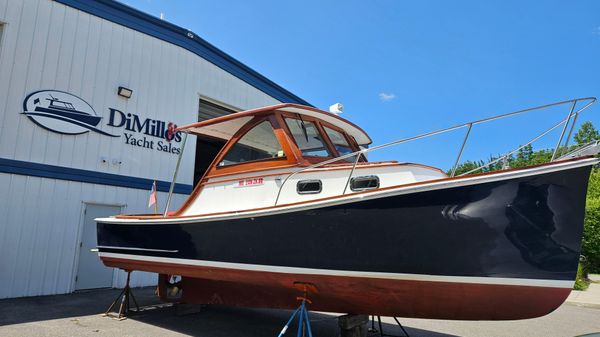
[125, 92]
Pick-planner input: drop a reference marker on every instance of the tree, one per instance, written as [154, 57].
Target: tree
[586, 133]
[590, 245]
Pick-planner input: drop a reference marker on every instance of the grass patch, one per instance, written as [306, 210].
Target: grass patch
[581, 281]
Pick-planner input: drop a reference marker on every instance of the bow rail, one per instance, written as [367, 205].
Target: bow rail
[572, 116]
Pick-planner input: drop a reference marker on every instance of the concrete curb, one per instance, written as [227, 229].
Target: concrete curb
[589, 298]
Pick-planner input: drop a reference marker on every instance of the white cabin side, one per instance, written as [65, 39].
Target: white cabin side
[257, 190]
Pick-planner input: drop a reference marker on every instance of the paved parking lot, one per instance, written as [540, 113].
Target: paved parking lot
[80, 315]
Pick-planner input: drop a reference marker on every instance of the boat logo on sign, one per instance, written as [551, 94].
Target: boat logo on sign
[62, 112]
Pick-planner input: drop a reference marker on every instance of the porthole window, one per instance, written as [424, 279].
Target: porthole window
[309, 187]
[364, 183]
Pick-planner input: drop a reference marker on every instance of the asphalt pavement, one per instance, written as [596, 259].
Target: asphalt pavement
[80, 314]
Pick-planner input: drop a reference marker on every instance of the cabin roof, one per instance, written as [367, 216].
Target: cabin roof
[225, 127]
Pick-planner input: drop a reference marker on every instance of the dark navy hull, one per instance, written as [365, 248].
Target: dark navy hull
[526, 229]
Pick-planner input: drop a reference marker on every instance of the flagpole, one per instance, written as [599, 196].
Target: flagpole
[175, 175]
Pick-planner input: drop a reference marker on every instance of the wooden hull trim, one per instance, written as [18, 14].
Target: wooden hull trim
[358, 295]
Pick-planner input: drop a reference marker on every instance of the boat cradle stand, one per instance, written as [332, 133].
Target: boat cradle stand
[372, 329]
[125, 296]
[301, 311]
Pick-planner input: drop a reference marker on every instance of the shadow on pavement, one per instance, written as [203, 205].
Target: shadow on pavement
[41, 308]
[210, 321]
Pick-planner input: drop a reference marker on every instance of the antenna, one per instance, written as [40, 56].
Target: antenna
[336, 108]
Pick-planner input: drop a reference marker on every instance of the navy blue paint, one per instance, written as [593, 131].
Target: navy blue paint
[147, 24]
[527, 227]
[86, 176]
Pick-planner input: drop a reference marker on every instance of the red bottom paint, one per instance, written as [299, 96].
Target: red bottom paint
[355, 295]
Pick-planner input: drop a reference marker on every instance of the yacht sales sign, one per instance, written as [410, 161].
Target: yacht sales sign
[65, 113]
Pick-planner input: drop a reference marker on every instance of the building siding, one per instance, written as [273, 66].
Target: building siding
[48, 45]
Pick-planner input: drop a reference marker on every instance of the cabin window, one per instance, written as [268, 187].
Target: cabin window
[307, 138]
[257, 144]
[364, 183]
[309, 187]
[340, 142]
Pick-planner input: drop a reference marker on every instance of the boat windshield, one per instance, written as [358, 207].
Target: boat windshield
[307, 138]
[257, 144]
[340, 142]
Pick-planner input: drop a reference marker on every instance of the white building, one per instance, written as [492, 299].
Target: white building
[72, 149]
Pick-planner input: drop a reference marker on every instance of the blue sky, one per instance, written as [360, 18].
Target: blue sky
[401, 68]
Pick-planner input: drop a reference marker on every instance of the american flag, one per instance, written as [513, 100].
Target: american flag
[153, 200]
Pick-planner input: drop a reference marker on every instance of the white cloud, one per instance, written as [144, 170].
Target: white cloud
[386, 97]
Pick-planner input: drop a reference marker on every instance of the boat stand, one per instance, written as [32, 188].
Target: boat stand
[125, 296]
[372, 329]
[303, 321]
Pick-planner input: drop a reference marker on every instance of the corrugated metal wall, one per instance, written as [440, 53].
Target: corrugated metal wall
[47, 45]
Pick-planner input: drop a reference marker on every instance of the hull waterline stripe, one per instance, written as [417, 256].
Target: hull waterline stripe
[347, 273]
[140, 249]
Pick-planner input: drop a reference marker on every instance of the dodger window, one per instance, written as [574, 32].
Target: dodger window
[307, 138]
[340, 142]
[257, 144]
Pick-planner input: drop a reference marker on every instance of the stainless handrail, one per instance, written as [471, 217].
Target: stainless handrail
[572, 114]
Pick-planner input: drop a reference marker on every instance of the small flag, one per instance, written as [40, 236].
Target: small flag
[153, 200]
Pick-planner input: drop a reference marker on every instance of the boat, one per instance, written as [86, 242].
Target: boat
[65, 109]
[292, 204]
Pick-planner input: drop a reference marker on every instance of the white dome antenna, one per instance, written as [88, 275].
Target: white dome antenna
[336, 108]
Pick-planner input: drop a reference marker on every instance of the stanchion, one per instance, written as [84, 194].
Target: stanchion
[125, 296]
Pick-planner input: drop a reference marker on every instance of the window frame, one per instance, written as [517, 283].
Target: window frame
[330, 146]
[251, 160]
[324, 138]
[289, 158]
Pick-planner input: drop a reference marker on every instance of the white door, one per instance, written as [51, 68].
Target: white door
[91, 273]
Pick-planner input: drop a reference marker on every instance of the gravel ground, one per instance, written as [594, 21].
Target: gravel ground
[80, 315]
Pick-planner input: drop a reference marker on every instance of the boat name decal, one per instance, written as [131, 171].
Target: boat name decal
[250, 182]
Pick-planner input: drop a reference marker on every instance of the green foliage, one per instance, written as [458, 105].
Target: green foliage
[586, 133]
[590, 246]
[581, 282]
[524, 157]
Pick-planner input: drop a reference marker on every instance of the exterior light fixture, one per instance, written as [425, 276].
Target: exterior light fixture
[125, 92]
